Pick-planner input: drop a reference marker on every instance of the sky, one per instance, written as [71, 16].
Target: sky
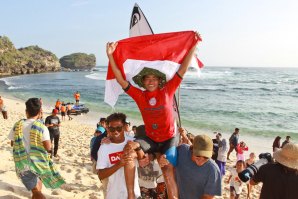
[236, 33]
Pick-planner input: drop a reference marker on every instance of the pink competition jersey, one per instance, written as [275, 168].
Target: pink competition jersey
[157, 109]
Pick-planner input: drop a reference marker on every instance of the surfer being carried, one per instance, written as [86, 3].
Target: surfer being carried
[156, 107]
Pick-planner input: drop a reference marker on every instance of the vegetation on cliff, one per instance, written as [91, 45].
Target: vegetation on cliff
[32, 59]
[78, 61]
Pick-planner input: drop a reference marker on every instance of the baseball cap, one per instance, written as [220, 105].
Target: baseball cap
[100, 129]
[55, 111]
[202, 146]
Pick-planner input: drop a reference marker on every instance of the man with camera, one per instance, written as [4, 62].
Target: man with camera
[280, 179]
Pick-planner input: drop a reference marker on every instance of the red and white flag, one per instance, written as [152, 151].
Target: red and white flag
[164, 52]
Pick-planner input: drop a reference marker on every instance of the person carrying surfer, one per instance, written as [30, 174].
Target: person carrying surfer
[156, 107]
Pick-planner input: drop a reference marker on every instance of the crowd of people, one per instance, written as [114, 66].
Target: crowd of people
[155, 160]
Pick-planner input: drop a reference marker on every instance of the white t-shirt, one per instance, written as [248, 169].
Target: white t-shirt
[222, 154]
[236, 182]
[149, 174]
[108, 155]
[26, 132]
[130, 133]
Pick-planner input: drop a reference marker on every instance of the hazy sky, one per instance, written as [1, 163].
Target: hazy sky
[235, 32]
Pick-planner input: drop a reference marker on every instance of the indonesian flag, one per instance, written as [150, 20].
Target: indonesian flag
[164, 52]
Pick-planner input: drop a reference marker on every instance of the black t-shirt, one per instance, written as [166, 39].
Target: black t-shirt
[215, 149]
[53, 120]
[277, 183]
[96, 145]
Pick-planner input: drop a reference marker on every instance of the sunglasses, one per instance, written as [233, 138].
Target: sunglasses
[113, 129]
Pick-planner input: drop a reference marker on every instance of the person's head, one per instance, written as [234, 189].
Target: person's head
[102, 122]
[134, 128]
[115, 127]
[55, 112]
[240, 166]
[127, 125]
[287, 156]
[33, 107]
[140, 132]
[237, 130]
[150, 79]
[242, 144]
[99, 130]
[276, 140]
[252, 156]
[288, 138]
[151, 82]
[202, 149]
[218, 136]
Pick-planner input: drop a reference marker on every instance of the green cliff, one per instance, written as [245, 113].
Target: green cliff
[28, 60]
[78, 61]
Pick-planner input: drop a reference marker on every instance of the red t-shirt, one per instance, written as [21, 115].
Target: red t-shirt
[157, 109]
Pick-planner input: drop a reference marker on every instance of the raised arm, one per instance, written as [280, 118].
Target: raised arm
[187, 60]
[110, 50]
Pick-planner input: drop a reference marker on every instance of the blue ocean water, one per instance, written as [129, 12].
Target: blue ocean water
[260, 101]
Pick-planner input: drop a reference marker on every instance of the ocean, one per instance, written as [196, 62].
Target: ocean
[262, 102]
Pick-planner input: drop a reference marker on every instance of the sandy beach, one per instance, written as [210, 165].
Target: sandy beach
[74, 163]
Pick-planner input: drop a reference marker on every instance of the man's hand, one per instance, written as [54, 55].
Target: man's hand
[162, 161]
[182, 132]
[131, 145]
[128, 157]
[111, 47]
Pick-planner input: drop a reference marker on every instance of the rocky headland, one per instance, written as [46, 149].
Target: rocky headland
[78, 61]
[28, 60]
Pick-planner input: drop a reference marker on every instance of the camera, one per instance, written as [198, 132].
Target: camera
[250, 171]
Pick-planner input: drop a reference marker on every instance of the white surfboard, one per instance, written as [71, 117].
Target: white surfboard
[138, 23]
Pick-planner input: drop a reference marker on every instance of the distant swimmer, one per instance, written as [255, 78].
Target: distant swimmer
[77, 96]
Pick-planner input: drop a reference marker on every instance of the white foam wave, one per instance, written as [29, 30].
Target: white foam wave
[96, 76]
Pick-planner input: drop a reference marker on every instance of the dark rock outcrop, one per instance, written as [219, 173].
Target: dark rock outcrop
[78, 61]
[28, 60]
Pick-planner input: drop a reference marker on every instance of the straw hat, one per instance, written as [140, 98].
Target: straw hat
[287, 156]
[138, 79]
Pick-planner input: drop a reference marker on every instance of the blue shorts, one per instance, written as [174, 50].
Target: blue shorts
[29, 179]
[168, 147]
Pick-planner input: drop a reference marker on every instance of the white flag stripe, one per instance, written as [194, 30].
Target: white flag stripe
[133, 67]
[112, 92]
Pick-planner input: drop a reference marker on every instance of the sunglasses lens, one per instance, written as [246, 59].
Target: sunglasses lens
[113, 129]
[119, 128]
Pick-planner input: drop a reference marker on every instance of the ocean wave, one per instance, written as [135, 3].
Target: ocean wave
[95, 76]
[16, 87]
[201, 88]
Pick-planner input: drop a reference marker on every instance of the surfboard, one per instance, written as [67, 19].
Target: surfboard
[139, 25]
